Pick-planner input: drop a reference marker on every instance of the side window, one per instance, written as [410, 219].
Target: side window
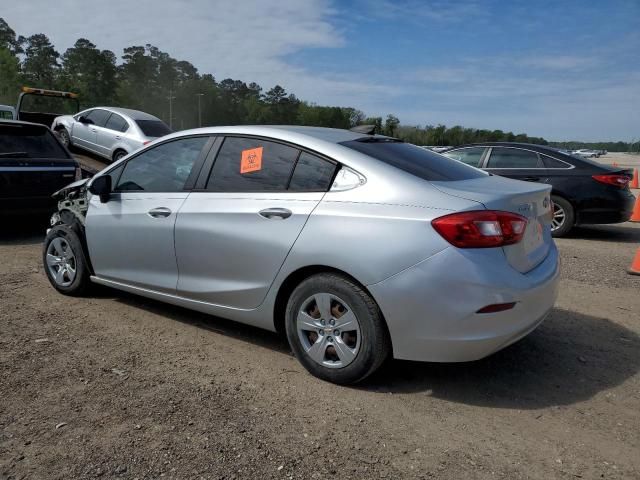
[115, 175]
[513, 158]
[164, 168]
[470, 156]
[117, 123]
[312, 174]
[550, 162]
[251, 165]
[98, 117]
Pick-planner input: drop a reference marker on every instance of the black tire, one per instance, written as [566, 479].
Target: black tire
[569, 216]
[118, 155]
[64, 137]
[80, 282]
[374, 343]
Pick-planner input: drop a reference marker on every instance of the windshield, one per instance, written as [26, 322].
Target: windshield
[27, 141]
[153, 128]
[417, 161]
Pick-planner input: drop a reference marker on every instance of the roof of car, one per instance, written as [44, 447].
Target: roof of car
[290, 132]
[133, 114]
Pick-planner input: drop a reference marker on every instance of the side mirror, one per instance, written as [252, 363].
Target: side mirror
[84, 120]
[101, 186]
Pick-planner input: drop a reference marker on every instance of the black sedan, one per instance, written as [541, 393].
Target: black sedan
[584, 191]
[33, 165]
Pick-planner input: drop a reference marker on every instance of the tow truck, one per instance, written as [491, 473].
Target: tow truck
[38, 105]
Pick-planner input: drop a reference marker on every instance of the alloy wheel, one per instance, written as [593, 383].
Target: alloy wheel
[328, 330]
[64, 137]
[559, 217]
[61, 262]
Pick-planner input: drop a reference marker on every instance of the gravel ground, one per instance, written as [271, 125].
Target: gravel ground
[115, 386]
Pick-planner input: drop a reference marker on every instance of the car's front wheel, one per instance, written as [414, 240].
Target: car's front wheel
[336, 329]
[64, 261]
[65, 139]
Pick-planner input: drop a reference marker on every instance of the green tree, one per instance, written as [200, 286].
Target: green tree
[89, 72]
[9, 77]
[391, 125]
[9, 40]
[40, 67]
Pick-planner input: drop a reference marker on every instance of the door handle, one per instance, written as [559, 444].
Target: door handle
[531, 179]
[94, 130]
[118, 137]
[280, 213]
[159, 212]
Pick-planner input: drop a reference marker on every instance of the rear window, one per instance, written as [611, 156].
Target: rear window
[153, 128]
[417, 161]
[19, 141]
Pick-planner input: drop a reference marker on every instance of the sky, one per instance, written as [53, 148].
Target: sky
[563, 70]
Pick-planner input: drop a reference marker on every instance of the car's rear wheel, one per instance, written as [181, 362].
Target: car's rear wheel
[64, 261]
[65, 139]
[336, 329]
[563, 216]
[118, 155]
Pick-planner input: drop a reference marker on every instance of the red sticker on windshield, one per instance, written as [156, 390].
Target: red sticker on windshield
[251, 160]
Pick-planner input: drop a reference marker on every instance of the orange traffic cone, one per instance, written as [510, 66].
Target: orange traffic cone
[634, 182]
[635, 216]
[634, 269]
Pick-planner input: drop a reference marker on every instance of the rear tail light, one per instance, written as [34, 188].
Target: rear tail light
[78, 173]
[481, 228]
[615, 179]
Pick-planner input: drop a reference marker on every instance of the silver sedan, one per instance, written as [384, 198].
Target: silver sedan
[358, 247]
[109, 132]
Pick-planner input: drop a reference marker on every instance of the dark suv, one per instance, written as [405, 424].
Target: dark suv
[584, 191]
[33, 165]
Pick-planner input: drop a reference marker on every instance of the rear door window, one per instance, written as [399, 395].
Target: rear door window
[312, 174]
[98, 117]
[252, 165]
[501, 157]
[550, 162]
[470, 156]
[417, 161]
[117, 123]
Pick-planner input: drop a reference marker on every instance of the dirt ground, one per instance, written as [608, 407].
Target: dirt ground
[116, 386]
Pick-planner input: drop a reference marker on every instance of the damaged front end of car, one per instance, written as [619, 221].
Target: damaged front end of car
[73, 203]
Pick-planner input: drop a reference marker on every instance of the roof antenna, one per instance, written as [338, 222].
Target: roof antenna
[366, 129]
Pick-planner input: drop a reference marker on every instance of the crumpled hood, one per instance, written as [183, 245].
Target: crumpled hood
[77, 185]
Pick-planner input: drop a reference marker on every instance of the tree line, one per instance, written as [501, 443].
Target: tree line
[151, 80]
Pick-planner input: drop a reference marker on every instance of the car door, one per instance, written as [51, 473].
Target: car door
[234, 234]
[112, 133]
[131, 237]
[517, 163]
[85, 134]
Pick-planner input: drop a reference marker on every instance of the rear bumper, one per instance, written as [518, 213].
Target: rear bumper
[430, 307]
[616, 208]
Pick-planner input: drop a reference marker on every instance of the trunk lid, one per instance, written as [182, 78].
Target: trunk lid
[531, 200]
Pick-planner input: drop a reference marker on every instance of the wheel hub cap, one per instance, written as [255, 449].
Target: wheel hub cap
[61, 262]
[328, 330]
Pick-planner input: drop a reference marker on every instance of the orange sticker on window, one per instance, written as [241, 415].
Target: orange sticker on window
[251, 160]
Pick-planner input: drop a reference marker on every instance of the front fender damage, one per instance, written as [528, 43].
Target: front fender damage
[73, 203]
